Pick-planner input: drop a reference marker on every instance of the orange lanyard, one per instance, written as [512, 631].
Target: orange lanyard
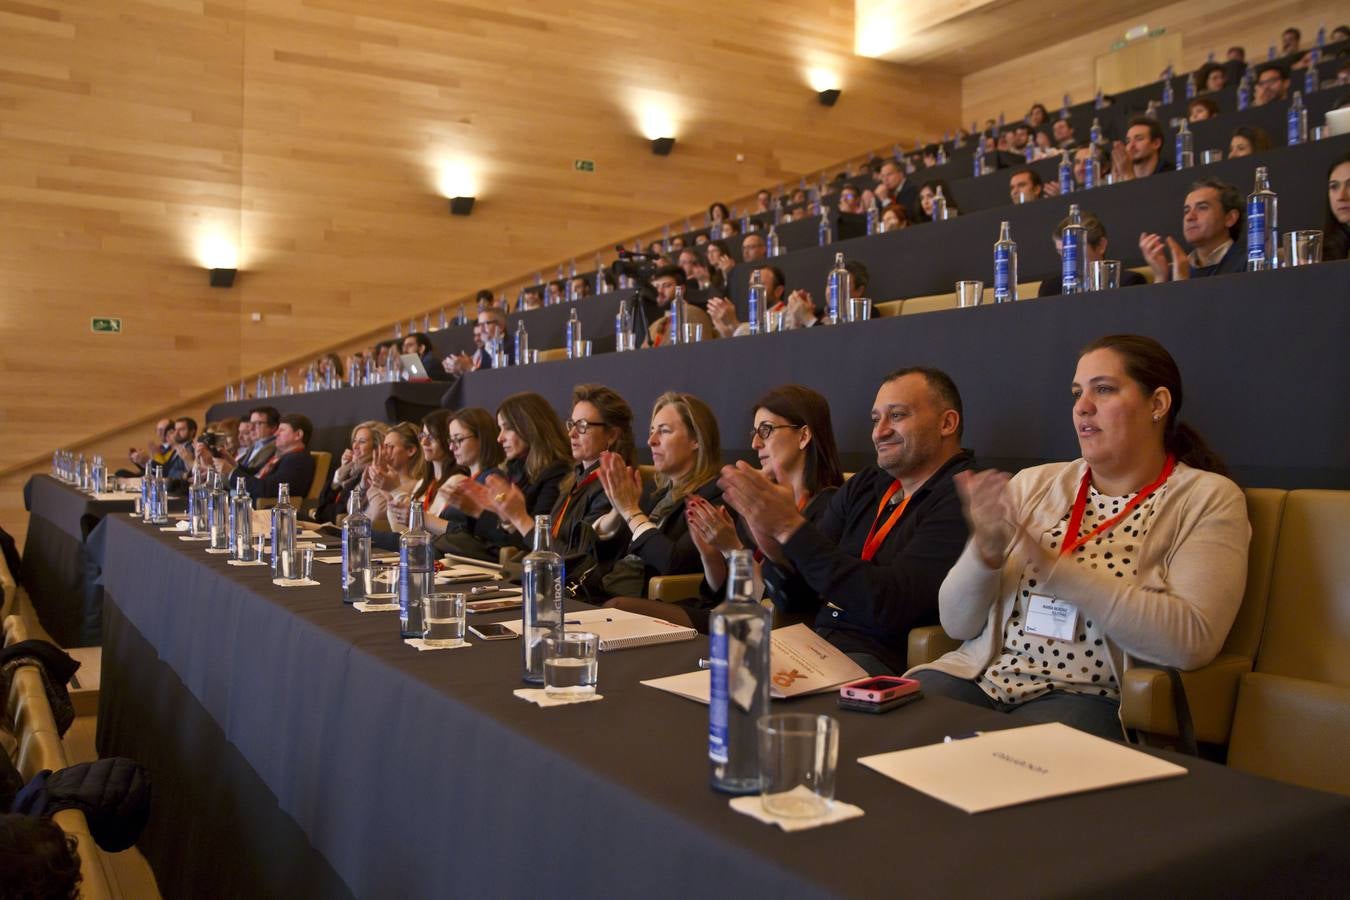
[1080, 505]
[875, 536]
[576, 489]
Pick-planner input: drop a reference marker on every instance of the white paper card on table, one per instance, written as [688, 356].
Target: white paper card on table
[375, 557]
[188, 537]
[800, 662]
[618, 629]
[294, 582]
[540, 697]
[1019, 765]
[116, 495]
[363, 606]
[753, 806]
[461, 570]
[420, 644]
[240, 562]
[455, 559]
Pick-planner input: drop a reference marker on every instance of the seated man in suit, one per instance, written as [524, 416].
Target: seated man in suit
[896, 188]
[181, 457]
[491, 325]
[1211, 221]
[668, 281]
[262, 423]
[157, 452]
[291, 465]
[878, 556]
[1053, 285]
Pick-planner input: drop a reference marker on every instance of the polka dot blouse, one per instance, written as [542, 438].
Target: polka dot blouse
[1032, 666]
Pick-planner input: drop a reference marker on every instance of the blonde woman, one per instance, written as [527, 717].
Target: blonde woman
[394, 471]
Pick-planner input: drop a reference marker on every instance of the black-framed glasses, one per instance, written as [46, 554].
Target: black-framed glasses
[454, 441]
[765, 430]
[581, 425]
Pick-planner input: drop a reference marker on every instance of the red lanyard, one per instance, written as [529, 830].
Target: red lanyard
[875, 536]
[1073, 541]
[576, 489]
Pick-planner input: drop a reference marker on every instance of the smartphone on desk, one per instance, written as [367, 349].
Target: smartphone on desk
[492, 631]
[879, 689]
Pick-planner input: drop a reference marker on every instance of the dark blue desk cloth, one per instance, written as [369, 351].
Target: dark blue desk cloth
[58, 571]
[1249, 346]
[300, 749]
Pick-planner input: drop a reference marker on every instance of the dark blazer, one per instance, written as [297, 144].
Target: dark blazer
[1053, 285]
[258, 456]
[540, 495]
[435, 368]
[668, 549]
[294, 469]
[872, 605]
[1235, 260]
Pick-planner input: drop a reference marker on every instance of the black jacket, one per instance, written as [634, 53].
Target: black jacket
[1235, 260]
[294, 469]
[668, 549]
[1053, 285]
[484, 536]
[872, 605]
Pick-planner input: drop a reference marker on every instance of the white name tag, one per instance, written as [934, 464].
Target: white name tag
[1051, 618]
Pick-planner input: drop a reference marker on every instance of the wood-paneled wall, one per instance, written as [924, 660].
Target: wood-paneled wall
[1045, 75]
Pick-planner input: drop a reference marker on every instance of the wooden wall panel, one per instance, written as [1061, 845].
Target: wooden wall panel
[1046, 74]
[309, 133]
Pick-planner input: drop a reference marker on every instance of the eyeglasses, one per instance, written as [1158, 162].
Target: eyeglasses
[581, 425]
[425, 436]
[765, 430]
[457, 441]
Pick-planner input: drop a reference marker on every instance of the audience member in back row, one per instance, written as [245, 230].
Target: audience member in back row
[723, 312]
[291, 465]
[1211, 222]
[491, 325]
[1136, 552]
[686, 453]
[1095, 250]
[1248, 140]
[1025, 186]
[895, 188]
[1061, 133]
[1289, 40]
[1141, 154]
[419, 345]
[1210, 78]
[601, 422]
[667, 280]
[1336, 228]
[928, 193]
[890, 534]
[1201, 109]
[537, 460]
[1272, 83]
[754, 247]
[894, 218]
[350, 471]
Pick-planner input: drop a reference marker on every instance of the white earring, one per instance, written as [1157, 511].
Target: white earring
[1156, 417]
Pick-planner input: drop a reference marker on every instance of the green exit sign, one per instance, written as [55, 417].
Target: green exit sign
[584, 165]
[105, 326]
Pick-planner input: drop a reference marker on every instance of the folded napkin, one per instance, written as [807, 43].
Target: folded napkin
[240, 562]
[188, 537]
[540, 697]
[363, 606]
[419, 644]
[216, 552]
[753, 806]
[294, 582]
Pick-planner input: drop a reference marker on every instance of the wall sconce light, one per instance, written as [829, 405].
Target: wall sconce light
[663, 145]
[829, 97]
[461, 206]
[223, 277]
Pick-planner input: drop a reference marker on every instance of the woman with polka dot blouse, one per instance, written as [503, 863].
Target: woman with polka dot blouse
[1074, 571]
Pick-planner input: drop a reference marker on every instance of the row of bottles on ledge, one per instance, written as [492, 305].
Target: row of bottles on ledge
[88, 475]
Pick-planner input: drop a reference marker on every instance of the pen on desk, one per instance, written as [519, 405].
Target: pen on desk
[961, 737]
[579, 622]
[704, 664]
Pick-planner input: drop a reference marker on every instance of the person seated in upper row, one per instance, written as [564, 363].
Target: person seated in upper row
[754, 247]
[720, 258]
[1025, 185]
[419, 345]
[1336, 224]
[1210, 78]
[490, 325]
[1248, 140]
[894, 218]
[1289, 40]
[875, 558]
[1094, 251]
[894, 187]
[1081, 156]
[686, 451]
[1201, 109]
[537, 459]
[1272, 83]
[1211, 220]
[668, 282]
[601, 422]
[1074, 572]
[928, 194]
[531, 297]
[291, 464]
[1141, 153]
[1061, 134]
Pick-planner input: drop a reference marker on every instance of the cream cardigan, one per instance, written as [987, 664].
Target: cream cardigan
[1177, 612]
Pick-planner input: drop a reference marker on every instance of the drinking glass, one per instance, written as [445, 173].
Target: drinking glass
[859, 309]
[382, 583]
[306, 563]
[798, 753]
[1104, 275]
[1302, 248]
[443, 620]
[570, 667]
[693, 332]
[969, 293]
[1211, 156]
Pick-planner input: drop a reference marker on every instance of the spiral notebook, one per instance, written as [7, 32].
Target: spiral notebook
[620, 630]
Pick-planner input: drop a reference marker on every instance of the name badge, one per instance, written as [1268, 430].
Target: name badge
[1051, 618]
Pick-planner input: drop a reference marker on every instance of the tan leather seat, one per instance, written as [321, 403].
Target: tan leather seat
[9, 590]
[934, 303]
[1146, 702]
[673, 588]
[323, 461]
[1293, 712]
[889, 309]
[553, 354]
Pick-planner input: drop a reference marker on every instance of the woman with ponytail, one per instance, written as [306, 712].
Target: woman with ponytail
[1137, 552]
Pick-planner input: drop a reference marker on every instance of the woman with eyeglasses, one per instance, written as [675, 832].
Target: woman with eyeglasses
[471, 439]
[601, 422]
[394, 472]
[537, 460]
[687, 454]
[434, 440]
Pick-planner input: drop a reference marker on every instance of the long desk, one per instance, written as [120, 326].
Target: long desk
[1252, 348]
[60, 576]
[299, 749]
